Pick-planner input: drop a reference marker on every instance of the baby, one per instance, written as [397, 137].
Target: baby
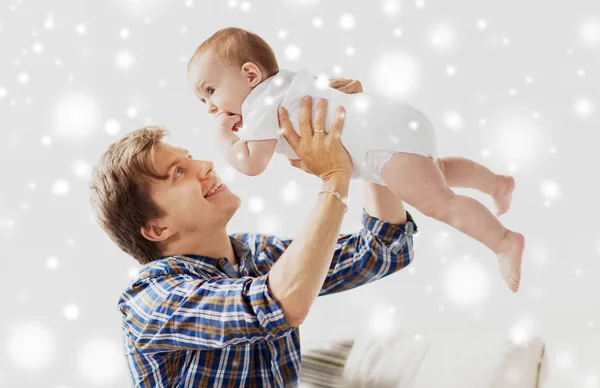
[236, 74]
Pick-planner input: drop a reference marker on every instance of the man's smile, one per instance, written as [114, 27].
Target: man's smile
[217, 187]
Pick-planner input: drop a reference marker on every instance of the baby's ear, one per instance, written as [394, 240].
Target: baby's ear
[252, 73]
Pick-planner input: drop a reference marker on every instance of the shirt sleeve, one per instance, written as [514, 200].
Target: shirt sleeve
[181, 312]
[261, 121]
[377, 250]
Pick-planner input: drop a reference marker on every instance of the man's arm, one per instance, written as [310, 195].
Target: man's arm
[383, 246]
[298, 275]
[381, 203]
[379, 249]
[178, 311]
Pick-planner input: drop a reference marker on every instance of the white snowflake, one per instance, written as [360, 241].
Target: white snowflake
[81, 29]
[100, 361]
[291, 192]
[391, 8]
[60, 188]
[125, 33]
[443, 37]
[583, 107]
[292, 52]
[466, 283]
[453, 120]
[49, 22]
[256, 204]
[52, 263]
[396, 74]
[124, 60]
[75, 116]
[521, 331]
[589, 33]
[450, 70]
[23, 78]
[71, 312]
[112, 127]
[31, 345]
[245, 6]
[347, 21]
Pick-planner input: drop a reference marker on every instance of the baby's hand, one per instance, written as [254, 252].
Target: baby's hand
[226, 122]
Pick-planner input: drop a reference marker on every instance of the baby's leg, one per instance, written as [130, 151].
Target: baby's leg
[418, 181]
[462, 172]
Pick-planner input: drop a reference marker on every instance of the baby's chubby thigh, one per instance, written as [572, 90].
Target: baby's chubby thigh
[418, 180]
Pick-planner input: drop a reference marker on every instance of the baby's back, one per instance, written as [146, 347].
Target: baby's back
[371, 123]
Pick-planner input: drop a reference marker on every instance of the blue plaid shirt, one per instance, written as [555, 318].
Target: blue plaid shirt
[192, 321]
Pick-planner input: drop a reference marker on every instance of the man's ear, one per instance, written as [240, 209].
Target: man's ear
[252, 73]
[155, 232]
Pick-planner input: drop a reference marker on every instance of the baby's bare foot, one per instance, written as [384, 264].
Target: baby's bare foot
[505, 185]
[509, 259]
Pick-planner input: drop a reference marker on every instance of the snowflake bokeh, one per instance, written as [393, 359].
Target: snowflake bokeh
[519, 95]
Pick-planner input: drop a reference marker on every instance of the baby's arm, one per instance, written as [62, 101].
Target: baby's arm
[249, 158]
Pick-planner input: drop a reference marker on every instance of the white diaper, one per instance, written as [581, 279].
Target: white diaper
[376, 159]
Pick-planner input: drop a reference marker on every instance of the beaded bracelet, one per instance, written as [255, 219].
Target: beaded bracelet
[338, 196]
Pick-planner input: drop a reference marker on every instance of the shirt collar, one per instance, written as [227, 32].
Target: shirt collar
[207, 264]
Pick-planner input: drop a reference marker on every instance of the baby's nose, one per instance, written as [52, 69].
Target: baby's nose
[212, 109]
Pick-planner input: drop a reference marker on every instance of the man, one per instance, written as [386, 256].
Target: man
[213, 310]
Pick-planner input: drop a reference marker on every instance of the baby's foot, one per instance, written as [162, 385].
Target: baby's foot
[509, 259]
[505, 185]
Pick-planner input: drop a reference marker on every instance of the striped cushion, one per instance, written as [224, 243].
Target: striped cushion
[324, 366]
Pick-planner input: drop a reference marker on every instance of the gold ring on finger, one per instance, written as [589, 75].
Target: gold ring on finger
[319, 130]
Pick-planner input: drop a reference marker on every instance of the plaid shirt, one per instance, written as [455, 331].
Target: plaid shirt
[192, 321]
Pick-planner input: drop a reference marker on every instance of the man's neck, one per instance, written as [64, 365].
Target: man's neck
[215, 245]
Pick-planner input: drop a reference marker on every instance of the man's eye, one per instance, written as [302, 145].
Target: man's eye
[210, 91]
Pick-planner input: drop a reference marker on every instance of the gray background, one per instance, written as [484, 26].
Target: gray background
[511, 84]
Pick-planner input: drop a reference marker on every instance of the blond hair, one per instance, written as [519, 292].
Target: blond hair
[120, 192]
[236, 46]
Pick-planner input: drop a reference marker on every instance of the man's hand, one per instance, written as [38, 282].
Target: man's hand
[348, 86]
[321, 152]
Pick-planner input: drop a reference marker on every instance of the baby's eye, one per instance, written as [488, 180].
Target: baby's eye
[210, 91]
[177, 170]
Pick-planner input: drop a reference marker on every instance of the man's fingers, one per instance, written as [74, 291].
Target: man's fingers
[320, 115]
[352, 87]
[336, 127]
[296, 163]
[337, 82]
[288, 131]
[306, 118]
[299, 164]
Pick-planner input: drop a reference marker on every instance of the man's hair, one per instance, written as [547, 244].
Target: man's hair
[235, 46]
[120, 191]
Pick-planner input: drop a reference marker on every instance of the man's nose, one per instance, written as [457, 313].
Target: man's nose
[204, 168]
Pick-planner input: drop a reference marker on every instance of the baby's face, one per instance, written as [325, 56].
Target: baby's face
[222, 87]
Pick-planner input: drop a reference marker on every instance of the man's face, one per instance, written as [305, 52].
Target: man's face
[222, 87]
[187, 197]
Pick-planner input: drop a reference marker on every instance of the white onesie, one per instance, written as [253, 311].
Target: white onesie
[374, 127]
